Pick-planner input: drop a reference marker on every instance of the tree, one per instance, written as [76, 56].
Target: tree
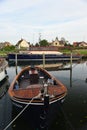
[37, 44]
[9, 48]
[63, 40]
[43, 43]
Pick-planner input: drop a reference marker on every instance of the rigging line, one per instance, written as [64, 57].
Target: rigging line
[21, 112]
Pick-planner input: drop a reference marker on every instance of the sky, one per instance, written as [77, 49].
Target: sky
[29, 19]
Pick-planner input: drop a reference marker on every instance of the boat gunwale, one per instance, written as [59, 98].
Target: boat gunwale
[38, 103]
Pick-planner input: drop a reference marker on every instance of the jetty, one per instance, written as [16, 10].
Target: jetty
[51, 66]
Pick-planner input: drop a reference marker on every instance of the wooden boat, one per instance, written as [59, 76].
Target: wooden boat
[35, 82]
[3, 65]
[37, 89]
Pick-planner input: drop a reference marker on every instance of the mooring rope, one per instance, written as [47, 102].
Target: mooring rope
[21, 111]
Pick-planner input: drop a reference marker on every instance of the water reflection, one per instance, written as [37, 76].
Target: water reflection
[71, 77]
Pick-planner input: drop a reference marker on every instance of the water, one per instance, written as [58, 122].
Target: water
[73, 112]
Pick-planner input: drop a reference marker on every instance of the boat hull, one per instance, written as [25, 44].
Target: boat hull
[39, 116]
[2, 75]
[20, 105]
[4, 87]
[40, 58]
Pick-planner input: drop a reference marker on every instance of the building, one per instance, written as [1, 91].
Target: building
[22, 44]
[80, 44]
[4, 44]
[57, 43]
[83, 44]
[7, 44]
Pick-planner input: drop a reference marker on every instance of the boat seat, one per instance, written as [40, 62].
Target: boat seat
[34, 77]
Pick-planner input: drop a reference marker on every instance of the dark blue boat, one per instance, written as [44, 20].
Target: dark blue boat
[41, 57]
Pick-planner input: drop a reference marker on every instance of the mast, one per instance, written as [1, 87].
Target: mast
[39, 38]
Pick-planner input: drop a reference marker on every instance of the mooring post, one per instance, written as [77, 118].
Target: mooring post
[46, 103]
[71, 60]
[71, 69]
[44, 115]
[16, 63]
[43, 60]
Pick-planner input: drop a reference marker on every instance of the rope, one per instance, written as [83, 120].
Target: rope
[21, 112]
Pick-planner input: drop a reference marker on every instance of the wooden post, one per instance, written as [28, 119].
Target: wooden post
[44, 116]
[71, 70]
[16, 63]
[70, 77]
[71, 60]
[43, 60]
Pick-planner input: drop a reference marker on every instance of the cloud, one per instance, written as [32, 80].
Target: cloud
[51, 18]
[8, 6]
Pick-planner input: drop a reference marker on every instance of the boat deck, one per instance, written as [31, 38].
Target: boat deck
[24, 83]
[27, 90]
[35, 90]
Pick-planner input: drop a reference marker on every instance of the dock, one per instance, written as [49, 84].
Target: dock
[57, 67]
[51, 65]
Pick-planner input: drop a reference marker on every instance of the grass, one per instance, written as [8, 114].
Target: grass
[82, 51]
[2, 53]
[76, 51]
[65, 51]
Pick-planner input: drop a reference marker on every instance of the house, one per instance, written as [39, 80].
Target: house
[57, 43]
[80, 44]
[7, 44]
[83, 44]
[22, 44]
[4, 44]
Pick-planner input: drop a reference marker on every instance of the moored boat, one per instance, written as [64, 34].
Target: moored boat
[36, 90]
[38, 54]
[35, 82]
[38, 57]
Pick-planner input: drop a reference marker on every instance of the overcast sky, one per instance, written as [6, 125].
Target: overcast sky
[51, 18]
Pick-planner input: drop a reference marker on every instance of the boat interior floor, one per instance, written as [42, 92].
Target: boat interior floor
[24, 83]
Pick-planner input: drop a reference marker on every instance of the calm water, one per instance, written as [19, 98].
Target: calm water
[73, 112]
